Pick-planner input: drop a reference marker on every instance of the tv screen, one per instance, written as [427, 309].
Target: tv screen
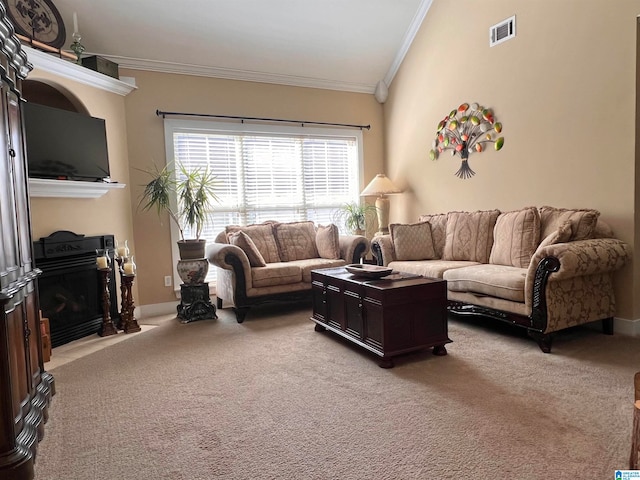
[64, 145]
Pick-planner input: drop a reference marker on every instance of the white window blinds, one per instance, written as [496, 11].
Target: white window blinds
[269, 173]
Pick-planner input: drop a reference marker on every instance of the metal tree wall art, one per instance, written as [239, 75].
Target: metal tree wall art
[465, 131]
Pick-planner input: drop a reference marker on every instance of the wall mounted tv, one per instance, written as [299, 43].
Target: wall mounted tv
[64, 145]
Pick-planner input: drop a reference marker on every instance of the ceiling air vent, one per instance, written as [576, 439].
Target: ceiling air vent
[502, 31]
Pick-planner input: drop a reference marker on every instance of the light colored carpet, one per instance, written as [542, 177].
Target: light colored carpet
[273, 399]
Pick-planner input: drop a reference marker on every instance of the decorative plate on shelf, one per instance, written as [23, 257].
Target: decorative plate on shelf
[38, 20]
[368, 271]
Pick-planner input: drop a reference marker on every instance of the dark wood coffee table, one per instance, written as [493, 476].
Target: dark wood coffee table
[397, 314]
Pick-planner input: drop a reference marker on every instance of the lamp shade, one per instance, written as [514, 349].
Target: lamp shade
[380, 185]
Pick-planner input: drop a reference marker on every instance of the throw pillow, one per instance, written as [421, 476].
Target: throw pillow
[242, 240]
[438, 224]
[470, 235]
[515, 237]
[412, 241]
[262, 236]
[602, 230]
[561, 235]
[583, 222]
[296, 240]
[327, 242]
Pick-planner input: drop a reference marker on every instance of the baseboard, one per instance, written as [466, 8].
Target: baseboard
[156, 309]
[624, 326]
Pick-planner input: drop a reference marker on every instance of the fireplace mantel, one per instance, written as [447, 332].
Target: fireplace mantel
[40, 187]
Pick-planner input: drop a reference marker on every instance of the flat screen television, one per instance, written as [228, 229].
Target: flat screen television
[64, 145]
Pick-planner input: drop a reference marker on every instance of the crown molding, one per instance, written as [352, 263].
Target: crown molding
[235, 74]
[64, 68]
[423, 8]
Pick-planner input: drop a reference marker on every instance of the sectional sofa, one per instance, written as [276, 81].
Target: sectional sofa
[544, 269]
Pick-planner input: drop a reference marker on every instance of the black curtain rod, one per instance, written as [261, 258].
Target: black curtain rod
[242, 119]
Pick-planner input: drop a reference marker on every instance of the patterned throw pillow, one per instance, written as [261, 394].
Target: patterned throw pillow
[296, 240]
[515, 237]
[327, 242]
[412, 241]
[438, 224]
[262, 236]
[470, 235]
[242, 240]
[583, 222]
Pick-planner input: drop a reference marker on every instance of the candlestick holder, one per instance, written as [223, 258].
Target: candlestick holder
[77, 47]
[108, 328]
[123, 292]
[129, 322]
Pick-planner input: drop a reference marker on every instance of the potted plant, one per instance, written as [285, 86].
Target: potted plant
[195, 193]
[353, 216]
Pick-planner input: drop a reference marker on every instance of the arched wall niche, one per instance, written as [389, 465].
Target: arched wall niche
[51, 95]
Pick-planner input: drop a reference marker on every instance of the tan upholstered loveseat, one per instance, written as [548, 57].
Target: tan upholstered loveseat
[272, 261]
[544, 269]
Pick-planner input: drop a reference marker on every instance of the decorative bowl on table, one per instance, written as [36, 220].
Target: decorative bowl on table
[368, 271]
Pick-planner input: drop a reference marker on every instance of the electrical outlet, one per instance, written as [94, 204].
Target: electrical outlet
[167, 281]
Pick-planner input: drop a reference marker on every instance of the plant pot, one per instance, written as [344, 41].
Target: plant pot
[193, 271]
[191, 249]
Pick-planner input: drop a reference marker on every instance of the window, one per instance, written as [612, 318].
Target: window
[269, 172]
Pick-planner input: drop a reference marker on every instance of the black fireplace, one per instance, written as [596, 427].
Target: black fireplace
[70, 288]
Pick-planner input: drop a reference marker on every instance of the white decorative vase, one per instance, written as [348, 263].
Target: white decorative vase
[193, 271]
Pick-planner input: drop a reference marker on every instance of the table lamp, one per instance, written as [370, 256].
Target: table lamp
[380, 187]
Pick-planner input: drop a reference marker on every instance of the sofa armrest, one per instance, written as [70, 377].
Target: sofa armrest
[584, 257]
[231, 258]
[353, 247]
[382, 250]
[575, 259]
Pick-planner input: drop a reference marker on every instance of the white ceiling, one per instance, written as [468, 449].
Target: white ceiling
[336, 44]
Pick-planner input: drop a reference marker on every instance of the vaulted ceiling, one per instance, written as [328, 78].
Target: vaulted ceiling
[336, 44]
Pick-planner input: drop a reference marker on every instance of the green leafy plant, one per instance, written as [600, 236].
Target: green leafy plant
[353, 216]
[194, 190]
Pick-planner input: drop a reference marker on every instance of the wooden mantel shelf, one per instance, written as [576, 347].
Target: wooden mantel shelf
[52, 64]
[40, 187]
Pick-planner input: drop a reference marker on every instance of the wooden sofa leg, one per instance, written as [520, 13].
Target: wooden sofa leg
[241, 313]
[544, 340]
[607, 326]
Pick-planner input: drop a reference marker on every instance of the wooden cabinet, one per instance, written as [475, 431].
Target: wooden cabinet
[387, 317]
[25, 387]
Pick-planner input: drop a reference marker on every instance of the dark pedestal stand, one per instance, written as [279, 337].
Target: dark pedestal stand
[195, 303]
[129, 322]
[108, 328]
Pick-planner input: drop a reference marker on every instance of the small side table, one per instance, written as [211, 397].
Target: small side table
[195, 303]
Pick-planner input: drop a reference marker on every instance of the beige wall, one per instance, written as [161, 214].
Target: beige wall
[565, 91]
[181, 93]
[111, 213]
